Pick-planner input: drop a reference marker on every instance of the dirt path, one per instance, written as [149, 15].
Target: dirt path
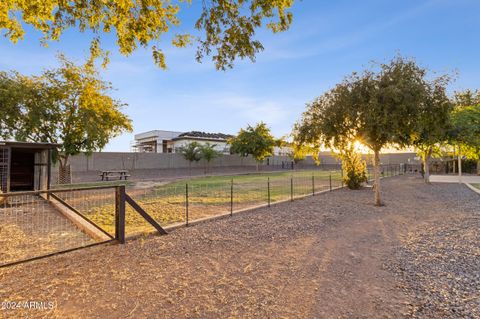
[330, 256]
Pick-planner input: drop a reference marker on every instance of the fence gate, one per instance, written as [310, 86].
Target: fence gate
[37, 224]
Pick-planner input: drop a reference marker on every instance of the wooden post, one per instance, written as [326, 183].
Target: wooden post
[120, 214]
[49, 168]
[330, 180]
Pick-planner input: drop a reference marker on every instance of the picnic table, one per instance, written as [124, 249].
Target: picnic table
[116, 174]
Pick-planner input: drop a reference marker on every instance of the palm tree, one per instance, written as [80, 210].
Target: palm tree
[191, 152]
[208, 153]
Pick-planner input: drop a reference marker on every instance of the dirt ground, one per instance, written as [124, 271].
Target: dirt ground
[31, 227]
[330, 256]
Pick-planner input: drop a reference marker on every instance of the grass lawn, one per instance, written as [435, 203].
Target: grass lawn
[476, 185]
[92, 184]
[220, 181]
[207, 196]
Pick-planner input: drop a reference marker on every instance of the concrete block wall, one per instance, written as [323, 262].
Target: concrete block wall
[134, 161]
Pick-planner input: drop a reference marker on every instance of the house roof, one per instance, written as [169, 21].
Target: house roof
[37, 146]
[203, 136]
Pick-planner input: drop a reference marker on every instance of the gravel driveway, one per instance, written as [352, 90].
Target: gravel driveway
[330, 256]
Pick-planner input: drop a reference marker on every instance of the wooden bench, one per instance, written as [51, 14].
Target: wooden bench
[114, 174]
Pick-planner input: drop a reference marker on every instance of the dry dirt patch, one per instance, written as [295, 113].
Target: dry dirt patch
[333, 255]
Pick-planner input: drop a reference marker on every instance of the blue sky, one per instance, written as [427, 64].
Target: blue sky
[328, 40]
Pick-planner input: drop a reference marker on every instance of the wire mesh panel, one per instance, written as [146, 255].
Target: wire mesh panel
[4, 159]
[321, 181]
[165, 204]
[32, 226]
[280, 189]
[337, 179]
[96, 205]
[208, 199]
[302, 186]
[248, 194]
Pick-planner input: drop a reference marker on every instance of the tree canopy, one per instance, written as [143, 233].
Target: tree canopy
[191, 152]
[208, 153]
[465, 119]
[225, 28]
[433, 122]
[256, 141]
[69, 105]
[377, 107]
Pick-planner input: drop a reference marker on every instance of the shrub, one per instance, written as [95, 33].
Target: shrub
[354, 168]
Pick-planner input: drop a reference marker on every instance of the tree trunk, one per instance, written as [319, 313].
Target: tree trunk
[453, 161]
[459, 165]
[64, 174]
[376, 170]
[478, 167]
[257, 165]
[426, 165]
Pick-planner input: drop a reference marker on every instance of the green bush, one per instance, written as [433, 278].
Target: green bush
[354, 168]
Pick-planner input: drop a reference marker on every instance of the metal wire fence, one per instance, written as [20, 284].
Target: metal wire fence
[34, 224]
[185, 202]
[45, 222]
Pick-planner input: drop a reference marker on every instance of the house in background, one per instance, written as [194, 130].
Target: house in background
[156, 141]
[159, 141]
[220, 140]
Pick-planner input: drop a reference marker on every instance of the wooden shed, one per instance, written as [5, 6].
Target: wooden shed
[25, 166]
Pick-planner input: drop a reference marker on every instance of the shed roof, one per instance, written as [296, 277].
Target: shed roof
[36, 146]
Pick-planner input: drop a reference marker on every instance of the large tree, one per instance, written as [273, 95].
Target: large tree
[256, 141]
[225, 28]
[377, 107]
[69, 105]
[12, 92]
[465, 130]
[432, 122]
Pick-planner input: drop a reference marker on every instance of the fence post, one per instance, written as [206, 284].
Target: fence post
[231, 197]
[268, 190]
[313, 184]
[291, 189]
[186, 204]
[330, 180]
[120, 214]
